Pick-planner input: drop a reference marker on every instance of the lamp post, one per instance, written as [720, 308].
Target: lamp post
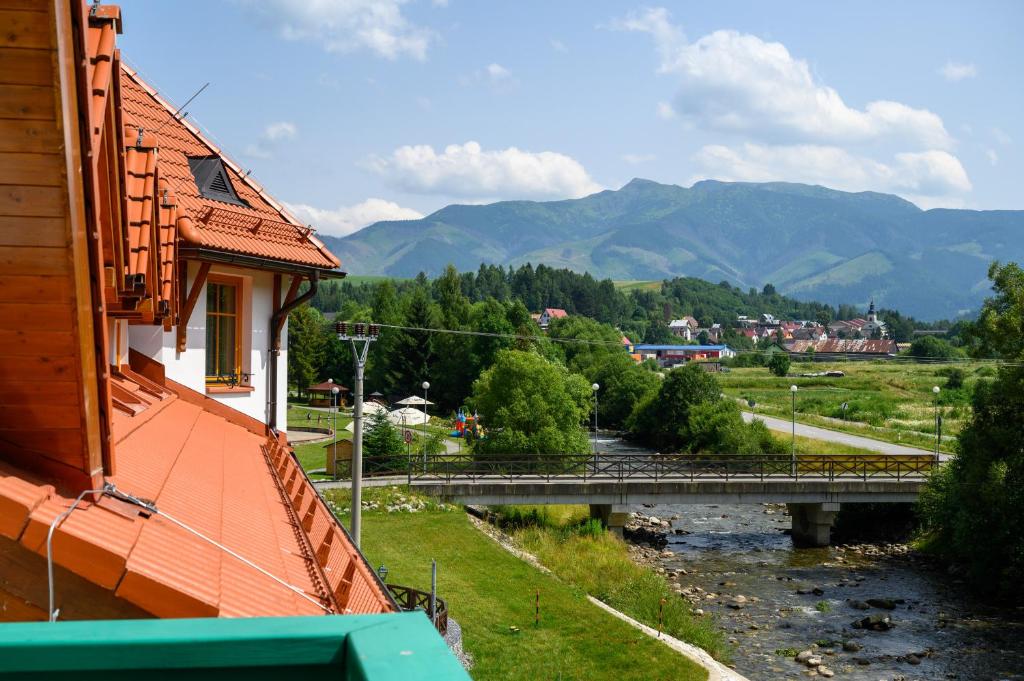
[938, 427]
[334, 403]
[365, 334]
[595, 387]
[792, 390]
[426, 387]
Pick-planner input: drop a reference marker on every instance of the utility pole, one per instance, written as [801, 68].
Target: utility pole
[364, 334]
[426, 387]
[595, 387]
[938, 422]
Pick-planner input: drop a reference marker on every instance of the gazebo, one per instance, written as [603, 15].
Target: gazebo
[321, 394]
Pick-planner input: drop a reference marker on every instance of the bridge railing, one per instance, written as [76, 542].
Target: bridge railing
[674, 467]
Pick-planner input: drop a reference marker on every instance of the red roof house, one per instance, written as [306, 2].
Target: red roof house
[144, 296]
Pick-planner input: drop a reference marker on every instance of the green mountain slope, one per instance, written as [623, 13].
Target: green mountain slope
[810, 241]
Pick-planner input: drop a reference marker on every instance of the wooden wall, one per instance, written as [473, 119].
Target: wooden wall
[49, 399]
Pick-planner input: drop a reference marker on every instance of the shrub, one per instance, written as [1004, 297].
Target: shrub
[779, 364]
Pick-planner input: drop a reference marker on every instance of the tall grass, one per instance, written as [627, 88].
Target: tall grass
[598, 563]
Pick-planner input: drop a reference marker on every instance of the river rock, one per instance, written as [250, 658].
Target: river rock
[803, 656]
[874, 623]
[814, 661]
[883, 603]
[858, 605]
[825, 671]
[911, 658]
[852, 646]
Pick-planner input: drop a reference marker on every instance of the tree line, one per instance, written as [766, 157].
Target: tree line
[641, 312]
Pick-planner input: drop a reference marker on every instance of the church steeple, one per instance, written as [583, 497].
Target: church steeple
[872, 317]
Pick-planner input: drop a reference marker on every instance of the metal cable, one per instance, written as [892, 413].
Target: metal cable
[109, 489]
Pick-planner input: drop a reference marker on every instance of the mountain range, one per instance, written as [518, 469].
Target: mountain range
[810, 242]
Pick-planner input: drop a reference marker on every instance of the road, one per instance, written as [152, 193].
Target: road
[786, 426]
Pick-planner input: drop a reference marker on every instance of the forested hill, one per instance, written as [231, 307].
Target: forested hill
[810, 242]
[639, 310]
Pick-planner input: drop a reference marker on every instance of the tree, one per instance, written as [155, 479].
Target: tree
[778, 364]
[930, 347]
[623, 383]
[593, 343]
[703, 338]
[663, 419]
[414, 350]
[383, 444]
[973, 508]
[386, 309]
[531, 406]
[307, 340]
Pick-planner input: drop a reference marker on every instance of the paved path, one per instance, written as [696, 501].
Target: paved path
[786, 426]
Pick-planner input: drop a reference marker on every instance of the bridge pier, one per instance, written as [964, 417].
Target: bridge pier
[612, 516]
[812, 523]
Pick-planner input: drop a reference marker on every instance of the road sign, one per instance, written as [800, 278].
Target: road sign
[407, 436]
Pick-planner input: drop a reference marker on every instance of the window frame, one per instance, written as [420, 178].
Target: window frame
[239, 286]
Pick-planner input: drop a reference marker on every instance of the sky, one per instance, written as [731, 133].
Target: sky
[353, 111]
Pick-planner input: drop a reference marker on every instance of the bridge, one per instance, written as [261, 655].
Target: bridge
[812, 486]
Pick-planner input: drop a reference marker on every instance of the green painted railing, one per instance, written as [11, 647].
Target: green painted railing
[401, 646]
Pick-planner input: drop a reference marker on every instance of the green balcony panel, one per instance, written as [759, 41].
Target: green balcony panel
[401, 646]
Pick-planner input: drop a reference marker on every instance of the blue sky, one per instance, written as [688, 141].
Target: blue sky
[357, 110]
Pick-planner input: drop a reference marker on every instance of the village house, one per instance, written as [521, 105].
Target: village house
[549, 313]
[671, 355]
[685, 328]
[143, 357]
[838, 349]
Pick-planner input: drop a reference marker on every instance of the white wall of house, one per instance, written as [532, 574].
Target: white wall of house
[189, 367]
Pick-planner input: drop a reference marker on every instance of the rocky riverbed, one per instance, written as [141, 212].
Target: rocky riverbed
[862, 612]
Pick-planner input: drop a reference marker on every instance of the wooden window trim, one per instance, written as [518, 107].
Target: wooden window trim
[239, 284]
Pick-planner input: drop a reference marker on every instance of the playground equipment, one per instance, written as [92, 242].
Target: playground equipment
[467, 426]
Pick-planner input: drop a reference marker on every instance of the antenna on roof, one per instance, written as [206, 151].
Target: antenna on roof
[187, 102]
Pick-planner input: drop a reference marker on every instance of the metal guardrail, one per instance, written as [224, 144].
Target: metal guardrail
[670, 467]
[410, 599]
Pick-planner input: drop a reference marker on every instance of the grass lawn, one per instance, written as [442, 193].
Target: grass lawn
[489, 590]
[890, 401]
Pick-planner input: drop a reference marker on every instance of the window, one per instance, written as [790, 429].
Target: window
[212, 179]
[223, 331]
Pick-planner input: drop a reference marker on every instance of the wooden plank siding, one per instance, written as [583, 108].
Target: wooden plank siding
[47, 361]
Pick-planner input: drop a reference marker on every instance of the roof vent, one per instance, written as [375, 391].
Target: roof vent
[212, 179]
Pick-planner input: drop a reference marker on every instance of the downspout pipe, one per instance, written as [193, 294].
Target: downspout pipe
[274, 348]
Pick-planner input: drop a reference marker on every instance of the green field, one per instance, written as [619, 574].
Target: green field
[891, 401]
[489, 590]
[637, 285]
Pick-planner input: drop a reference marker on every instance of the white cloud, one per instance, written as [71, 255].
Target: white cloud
[497, 72]
[992, 156]
[558, 46]
[1001, 136]
[929, 178]
[468, 171]
[954, 71]
[636, 159]
[281, 130]
[348, 219]
[346, 25]
[272, 134]
[737, 82]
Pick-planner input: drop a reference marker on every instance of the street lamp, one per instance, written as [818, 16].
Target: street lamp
[595, 387]
[426, 387]
[792, 390]
[382, 572]
[938, 423]
[334, 403]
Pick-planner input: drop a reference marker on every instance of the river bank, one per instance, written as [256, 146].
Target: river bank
[860, 611]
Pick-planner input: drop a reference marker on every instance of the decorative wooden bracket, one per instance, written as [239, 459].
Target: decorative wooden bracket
[189, 302]
[293, 291]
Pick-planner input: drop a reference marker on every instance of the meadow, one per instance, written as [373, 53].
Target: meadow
[886, 400]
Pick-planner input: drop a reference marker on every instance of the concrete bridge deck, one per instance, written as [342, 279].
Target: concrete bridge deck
[813, 486]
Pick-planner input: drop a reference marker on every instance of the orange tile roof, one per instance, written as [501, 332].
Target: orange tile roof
[263, 228]
[236, 487]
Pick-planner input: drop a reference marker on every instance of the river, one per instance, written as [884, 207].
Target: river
[940, 630]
